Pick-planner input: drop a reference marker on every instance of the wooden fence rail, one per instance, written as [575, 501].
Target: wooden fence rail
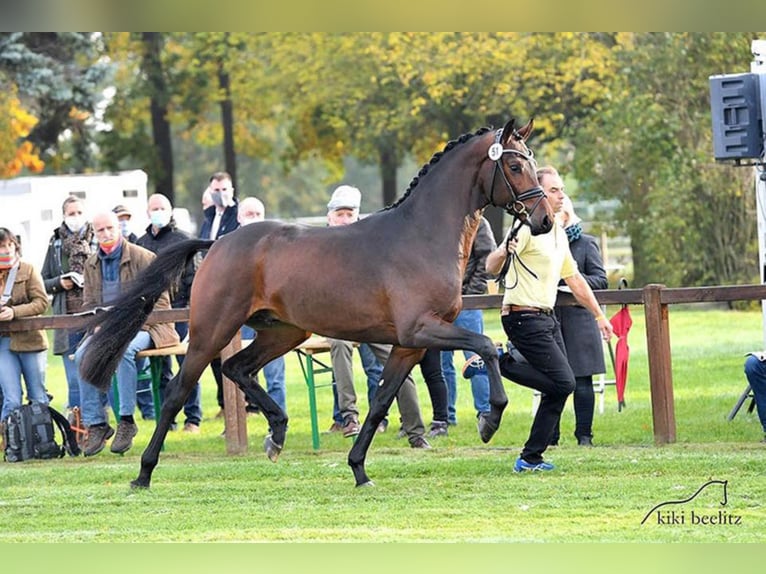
[654, 298]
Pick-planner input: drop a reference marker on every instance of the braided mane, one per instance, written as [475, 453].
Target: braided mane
[435, 159]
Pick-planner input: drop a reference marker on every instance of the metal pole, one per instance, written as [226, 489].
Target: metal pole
[758, 66]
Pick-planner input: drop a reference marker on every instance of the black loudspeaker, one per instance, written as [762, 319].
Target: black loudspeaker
[737, 116]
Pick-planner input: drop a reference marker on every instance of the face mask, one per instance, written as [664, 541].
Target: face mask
[74, 223]
[7, 259]
[124, 229]
[109, 245]
[217, 199]
[248, 221]
[160, 218]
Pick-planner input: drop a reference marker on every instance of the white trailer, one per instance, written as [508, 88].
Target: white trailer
[31, 206]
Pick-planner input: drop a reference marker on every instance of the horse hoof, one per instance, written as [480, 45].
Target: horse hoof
[367, 484]
[138, 484]
[487, 429]
[271, 449]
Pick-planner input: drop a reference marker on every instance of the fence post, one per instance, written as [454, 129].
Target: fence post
[660, 373]
[234, 405]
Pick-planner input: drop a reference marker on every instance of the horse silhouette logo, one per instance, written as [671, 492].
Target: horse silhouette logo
[671, 516]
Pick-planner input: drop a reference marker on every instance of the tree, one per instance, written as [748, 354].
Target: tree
[59, 77]
[690, 221]
[17, 123]
[159, 99]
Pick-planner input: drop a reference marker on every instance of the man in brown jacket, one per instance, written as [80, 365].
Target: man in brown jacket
[107, 273]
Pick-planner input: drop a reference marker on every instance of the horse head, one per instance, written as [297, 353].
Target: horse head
[518, 190]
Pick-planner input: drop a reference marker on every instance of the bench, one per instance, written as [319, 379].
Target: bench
[156, 358]
[311, 366]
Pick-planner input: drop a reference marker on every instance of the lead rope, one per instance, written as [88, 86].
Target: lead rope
[511, 259]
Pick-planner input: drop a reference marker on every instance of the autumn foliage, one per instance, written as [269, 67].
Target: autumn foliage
[16, 154]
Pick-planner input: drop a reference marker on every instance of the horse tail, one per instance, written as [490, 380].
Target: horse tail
[120, 323]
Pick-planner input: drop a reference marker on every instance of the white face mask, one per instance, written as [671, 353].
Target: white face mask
[74, 223]
[160, 218]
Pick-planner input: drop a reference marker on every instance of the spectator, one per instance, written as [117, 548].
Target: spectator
[755, 371]
[343, 209]
[124, 216]
[22, 353]
[585, 348]
[162, 233]
[144, 397]
[220, 219]
[109, 271]
[70, 245]
[475, 281]
[251, 210]
[530, 324]
[372, 370]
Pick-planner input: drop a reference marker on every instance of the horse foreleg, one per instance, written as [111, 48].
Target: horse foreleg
[446, 336]
[177, 391]
[399, 364]
[498, 400]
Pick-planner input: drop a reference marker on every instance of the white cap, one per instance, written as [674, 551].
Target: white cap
[345, 197]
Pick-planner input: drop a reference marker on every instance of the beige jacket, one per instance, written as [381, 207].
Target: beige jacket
[28, 298]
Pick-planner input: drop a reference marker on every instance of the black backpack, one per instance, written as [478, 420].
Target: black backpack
[29, 433]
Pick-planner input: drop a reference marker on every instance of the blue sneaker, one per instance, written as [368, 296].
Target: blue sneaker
[522, 465]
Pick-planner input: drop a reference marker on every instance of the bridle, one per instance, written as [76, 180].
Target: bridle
[515, 207]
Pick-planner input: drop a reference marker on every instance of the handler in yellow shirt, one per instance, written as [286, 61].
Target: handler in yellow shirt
[538, 263]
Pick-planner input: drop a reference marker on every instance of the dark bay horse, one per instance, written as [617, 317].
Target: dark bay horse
[394, 277]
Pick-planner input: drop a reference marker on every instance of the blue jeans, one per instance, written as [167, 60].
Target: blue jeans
[193, 404]
[15, 364]
[273, 372]
[372, 369]
[473, 320]
[127, 378]
[755, 371]
[70, 370]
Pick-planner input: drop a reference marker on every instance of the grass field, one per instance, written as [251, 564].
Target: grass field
[461, 490]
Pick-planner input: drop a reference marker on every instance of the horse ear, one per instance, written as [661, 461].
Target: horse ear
[526, 130]
[508, 130]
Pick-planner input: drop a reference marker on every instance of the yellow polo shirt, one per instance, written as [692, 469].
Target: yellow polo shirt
[548, 256]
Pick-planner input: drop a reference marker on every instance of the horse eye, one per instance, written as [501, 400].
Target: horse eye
[515, 168]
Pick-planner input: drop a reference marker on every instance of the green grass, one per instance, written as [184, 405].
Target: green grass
[462, 490]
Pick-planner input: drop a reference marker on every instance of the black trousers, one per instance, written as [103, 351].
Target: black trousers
[538, 338]
[431, 369]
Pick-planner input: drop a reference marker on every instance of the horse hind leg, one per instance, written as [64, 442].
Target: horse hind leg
[242, 368]
[400, 363]
[177, 392]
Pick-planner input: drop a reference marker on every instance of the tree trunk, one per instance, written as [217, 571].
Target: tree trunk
[227, 121]
[158, 108]
[388, 165]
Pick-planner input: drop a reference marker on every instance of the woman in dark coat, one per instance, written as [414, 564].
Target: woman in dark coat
[582, 338]
[70, 245]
